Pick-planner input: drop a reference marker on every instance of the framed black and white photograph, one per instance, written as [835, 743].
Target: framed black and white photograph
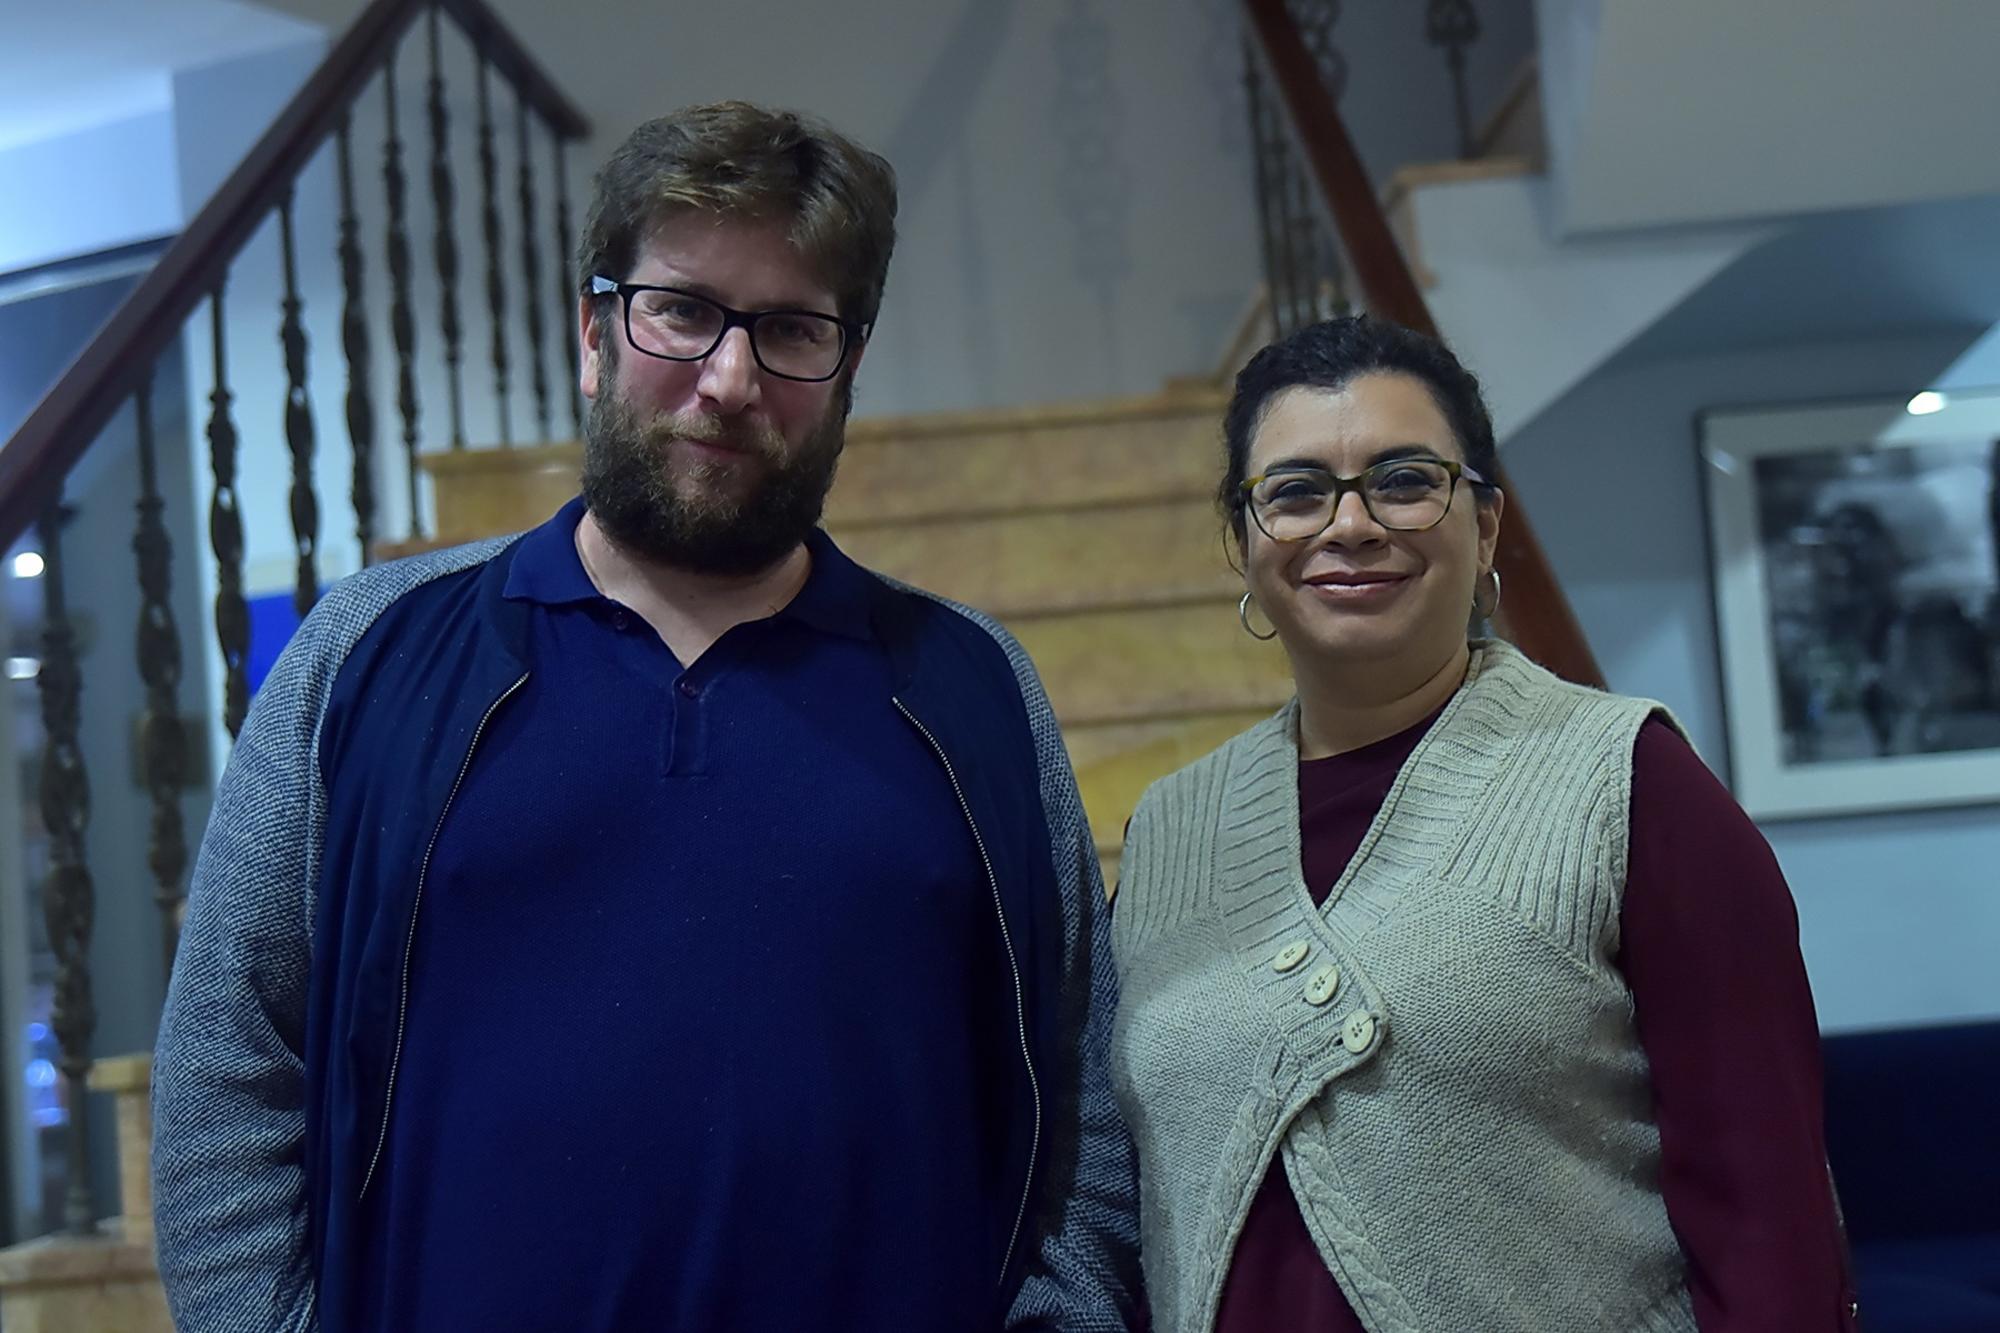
[1855, 556]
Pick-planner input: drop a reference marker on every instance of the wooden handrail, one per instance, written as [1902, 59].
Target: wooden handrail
[1387, 287]
[1534, 612]
[63, 425]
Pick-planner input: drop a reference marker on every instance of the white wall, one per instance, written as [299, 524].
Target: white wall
[88, 190]
[1076, 219]
[1710, 110]
[1076, 216]
[1899, 913]
[1500, 269]
[1398, 104]
[1566, 36]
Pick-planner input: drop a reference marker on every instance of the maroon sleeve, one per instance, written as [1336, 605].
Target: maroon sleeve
[1710, 948]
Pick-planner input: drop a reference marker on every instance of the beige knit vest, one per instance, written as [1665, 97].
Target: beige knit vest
[1443, 1056]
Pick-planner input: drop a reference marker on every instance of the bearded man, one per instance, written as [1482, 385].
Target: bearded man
[656, 921]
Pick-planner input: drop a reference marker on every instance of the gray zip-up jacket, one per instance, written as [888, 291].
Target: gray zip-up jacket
[301, 906]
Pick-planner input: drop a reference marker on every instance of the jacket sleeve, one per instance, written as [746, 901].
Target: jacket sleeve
[1083, 1273]
[229, 1072]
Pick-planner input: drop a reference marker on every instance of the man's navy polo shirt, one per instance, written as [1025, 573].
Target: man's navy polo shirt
[708, 1007]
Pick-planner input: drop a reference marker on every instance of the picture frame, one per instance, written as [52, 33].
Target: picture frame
[1855, 569]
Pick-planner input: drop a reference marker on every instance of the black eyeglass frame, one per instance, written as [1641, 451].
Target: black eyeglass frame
[1358, 484]
[851, 332]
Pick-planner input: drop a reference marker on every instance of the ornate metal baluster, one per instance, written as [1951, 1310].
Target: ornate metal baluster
[354, 341]
[68, 896]
[1330, 287]
[1302, 264]
[1325, 290]
[1317, 20]
[496, 276]
[1298, 238]
[1265, 168]
[299, 434]
[1454, 25]
[1278, 192]
[225, 536]
[164, 746]
[565, 258]
[402, 319]
[1311, 244]
[531, 268]
[445, 238]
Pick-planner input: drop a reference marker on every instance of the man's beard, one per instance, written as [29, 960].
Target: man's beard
[707, 516]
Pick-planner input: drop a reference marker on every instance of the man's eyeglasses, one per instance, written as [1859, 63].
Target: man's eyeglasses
[675, 325]
[1401, 494]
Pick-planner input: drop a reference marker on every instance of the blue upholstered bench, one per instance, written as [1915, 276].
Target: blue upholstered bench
[1913, 1131]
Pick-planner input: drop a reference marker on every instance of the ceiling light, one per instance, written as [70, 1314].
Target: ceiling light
[29, 565]
[23, 668]
[1925, 403]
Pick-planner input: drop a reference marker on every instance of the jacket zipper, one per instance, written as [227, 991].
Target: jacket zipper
[410, 941]
[1013, 965]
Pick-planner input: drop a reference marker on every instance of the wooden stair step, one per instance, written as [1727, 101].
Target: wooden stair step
[1142, 663]
[1026, 565]
[1161, 446]
[489, 492]
[1112, 783]
[1092, 743]
[495, 491]
[1164, 446]
[1041, 561]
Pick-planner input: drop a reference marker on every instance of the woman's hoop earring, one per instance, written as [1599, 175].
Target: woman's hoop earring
[1492, 609]
[1243, 614]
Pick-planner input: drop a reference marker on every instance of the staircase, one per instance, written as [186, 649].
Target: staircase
[1089, 530]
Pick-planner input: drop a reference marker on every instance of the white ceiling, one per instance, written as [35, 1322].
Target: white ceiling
[68, 66]
[1868, 275]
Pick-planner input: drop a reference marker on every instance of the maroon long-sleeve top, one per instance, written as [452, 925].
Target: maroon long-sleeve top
[1709, 947]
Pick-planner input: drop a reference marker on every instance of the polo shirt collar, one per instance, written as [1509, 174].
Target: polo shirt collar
[548, 571]
[836, 595]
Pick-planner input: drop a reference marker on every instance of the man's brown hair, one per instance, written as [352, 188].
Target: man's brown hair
[836, 199]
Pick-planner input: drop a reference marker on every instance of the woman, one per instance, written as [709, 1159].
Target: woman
[1455, 997]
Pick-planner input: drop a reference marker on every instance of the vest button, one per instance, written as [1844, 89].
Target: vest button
[1291, 956]
[1323, 984]
[1358, 1031]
